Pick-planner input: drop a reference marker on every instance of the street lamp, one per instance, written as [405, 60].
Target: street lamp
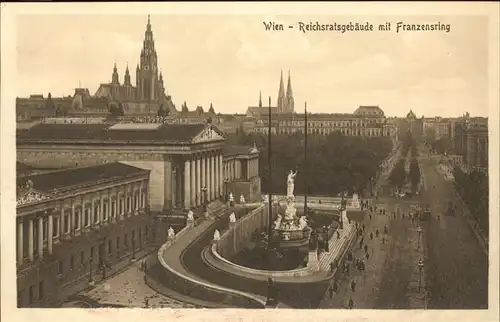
[420, 231]
[420, 267]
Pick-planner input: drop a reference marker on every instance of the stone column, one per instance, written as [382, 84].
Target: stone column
[197, 187]
[209, 170]
[50, 232]
[101, 208]
[187, 184]
[203, 174]
[221, 175]
[140, 205]
[217, 174]
[72, 219]
[61, 224]
[30, 240]
[40, 237]
[212, 178]
[167, 184]
[193, 183]
[20, 242]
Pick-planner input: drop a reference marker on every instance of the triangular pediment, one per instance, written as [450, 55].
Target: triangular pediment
[209, 134]
[30, 197]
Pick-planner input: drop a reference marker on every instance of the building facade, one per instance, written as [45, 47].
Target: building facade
[77, 225]
[367, 121]
[186, 160]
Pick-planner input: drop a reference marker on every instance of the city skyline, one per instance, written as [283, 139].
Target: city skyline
[423, 72]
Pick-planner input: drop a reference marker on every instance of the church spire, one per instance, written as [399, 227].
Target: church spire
[289, 95]
[114, 77]
[281, 95]
[126, 81]
[260, 99]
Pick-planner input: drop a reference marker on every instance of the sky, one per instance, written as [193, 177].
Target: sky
[227, 60]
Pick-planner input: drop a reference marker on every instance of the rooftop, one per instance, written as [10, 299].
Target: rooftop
[66, 179]
[164, 133]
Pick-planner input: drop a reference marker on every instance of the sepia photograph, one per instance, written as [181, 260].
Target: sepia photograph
[170, 158]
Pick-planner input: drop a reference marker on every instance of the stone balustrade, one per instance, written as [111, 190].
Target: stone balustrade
[200, 290]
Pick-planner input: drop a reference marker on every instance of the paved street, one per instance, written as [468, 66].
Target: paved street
[390, 280]
[457, 269]
[129, 289]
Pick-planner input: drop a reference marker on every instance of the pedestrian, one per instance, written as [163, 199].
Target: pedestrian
[353, 285]
[376, 233]
[364, 227]
[371, 235]
[370, 216]
[366, 248]
[351, 303]
[367, 256]
[384, 212]
[380, 211]
[338, 235]
[371, 209]
[332, 267]
[383, 240]
[335, 286]
[330, 290]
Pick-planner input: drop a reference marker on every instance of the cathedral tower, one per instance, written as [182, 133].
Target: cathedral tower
[147, 72]
[114, 77]
[281, 106]
[290, 103]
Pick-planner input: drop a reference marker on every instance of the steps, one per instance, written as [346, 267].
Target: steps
[337, 245]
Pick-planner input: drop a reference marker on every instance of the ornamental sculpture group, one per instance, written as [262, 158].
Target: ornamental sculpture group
[290, 222]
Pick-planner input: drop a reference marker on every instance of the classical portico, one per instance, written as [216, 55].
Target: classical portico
[185, 160]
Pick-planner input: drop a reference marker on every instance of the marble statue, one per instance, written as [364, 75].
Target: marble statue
[290, 211]
[266, 198]
[232, 218]
[277, 222]
[275, 199]
[190, 216]
[171, 233]
[302, 222]
[290, 183]
[231, 197]
[216, 235]
[242, 199]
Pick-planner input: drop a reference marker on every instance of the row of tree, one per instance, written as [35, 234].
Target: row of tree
[399, 176]
[473, 188]
[335, 163]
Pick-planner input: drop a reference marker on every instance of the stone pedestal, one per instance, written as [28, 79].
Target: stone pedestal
[313, 261]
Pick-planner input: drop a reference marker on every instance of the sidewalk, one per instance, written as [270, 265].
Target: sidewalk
[129, 289]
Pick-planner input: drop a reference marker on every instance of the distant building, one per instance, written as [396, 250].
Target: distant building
[367, 121]
[145, 98]
[437, 128]
[414, 124]
[285, 103]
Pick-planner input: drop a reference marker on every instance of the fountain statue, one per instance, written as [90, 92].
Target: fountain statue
[290, 184]
[171, 233]
[302, 222]
[242, 199]
[216, 235]
[289, 221]
[232, 218]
